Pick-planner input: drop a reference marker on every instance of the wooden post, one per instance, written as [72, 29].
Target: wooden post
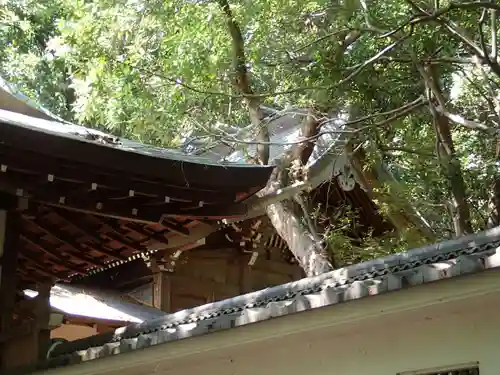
[9, 239]
[43, 311]
[245, 273]
[162, 291]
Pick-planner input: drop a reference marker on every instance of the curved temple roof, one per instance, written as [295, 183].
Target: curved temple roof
[89, 146]
[97, 304]
[29, 126]
[447, 259]
[92, 199]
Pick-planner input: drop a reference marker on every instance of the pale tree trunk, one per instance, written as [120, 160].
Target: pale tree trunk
[494, 216]
[289, 221]
[241, 81]
[496, 203]
[400, 213]
[284, 216]
[306, 249]
[447, 156]
[290, 217]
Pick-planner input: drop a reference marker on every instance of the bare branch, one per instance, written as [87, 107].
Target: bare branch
[436, 61]
[368, 21]
[242, 82]
[409, 151]
[454, 29]
[249, 96]
[494, 45]
[395, 114]
[320, 39]
[488, 99]
[480, 25]
[412, 105]
[374, 58]
[457, 119]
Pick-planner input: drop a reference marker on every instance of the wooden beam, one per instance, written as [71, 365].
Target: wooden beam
[112, 181]
[30, 276]
[244, 275]
[162, 291]
[80, 247]
[33, 264]
[174, 227]
[9, 252]
[157, 236]
[61, 261]
[117, 235]
[42, 312]
[25, 187]
[145, 214]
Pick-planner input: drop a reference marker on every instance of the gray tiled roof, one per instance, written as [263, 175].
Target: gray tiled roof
[447, 259]
[99, 304]
[17, 109]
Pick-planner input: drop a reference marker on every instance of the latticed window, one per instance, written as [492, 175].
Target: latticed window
[469, 369]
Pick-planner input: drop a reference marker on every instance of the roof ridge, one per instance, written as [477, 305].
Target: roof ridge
[343, 282]
[393, 263]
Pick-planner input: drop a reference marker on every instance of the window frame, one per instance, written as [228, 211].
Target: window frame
[443, 369]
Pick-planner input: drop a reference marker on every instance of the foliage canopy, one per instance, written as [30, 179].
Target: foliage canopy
[158, 71]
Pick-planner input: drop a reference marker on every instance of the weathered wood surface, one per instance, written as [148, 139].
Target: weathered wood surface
[203, 276]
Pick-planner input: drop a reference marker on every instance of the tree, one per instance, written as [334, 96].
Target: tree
[417, 87]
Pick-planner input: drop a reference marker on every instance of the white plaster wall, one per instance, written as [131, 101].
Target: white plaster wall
[444, 335]
[396, 335]
[433, 337]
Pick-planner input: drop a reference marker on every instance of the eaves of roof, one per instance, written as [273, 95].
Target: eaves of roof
[93, 304]
[466, 255]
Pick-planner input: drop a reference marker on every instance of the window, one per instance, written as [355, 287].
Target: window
[467, 371]
[464, 369]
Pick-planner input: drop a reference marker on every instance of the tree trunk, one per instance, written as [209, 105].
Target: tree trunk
[284, 216]
[401, 213]
[494, 217]
[300, 241]
[288, 218]
[453, 170]
[445, 150]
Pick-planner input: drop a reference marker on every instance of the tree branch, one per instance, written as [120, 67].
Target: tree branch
[480, 25]
[242, 82]
[494, 45]
[457, 119]
[394, 115]
[409, 151]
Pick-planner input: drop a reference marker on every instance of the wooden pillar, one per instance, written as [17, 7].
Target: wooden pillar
[43, 311]
[9, 242]
[245, 273]
[162, 291]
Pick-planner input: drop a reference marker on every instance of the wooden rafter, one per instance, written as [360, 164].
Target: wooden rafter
[70, 217]
[33, 276]
[75, 252]
[57, 197]
[48, 166]
[115, 233]
[79, 247]
[35, 242]
[157, 236]
[32, 263]
[176, 228]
